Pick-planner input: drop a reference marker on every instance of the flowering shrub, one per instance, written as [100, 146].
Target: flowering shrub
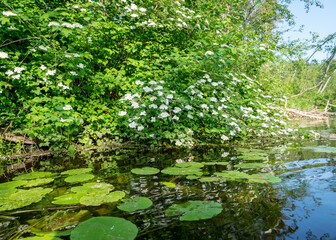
[173, 71]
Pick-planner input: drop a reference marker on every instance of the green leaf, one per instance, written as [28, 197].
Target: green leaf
[105, 228]
[169, 184]
[137, 203]
[232, 175]
[195, 210]
[98, 198]
[250, 165]
[79, 178]
[33, 175]
[38, 182]
[182, 171]
[77, 171]
[190, 164]
[72, 198]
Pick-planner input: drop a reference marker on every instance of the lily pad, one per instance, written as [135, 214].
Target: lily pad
[77, 171]
[45, 237]
[34, 175]
[182, 171]
[264, 178]
[105, 228]
[215, 163]
[98, 198]
[192, 177]
[67, 199]
[93, 187]
[190, 164]
[145, 171]
[169, 184]
[195, 210]
[12, 184]
[137, 203]
[38, 182]
[22, 198]
[250, 165]
[209, 179]
[232, 175]
[83, 177]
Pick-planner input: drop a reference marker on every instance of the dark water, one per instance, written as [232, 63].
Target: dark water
[301, 206]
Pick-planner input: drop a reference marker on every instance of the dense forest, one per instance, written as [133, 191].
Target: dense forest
[85, 73]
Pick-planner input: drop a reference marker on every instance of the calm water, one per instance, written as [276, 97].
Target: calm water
[301, 206]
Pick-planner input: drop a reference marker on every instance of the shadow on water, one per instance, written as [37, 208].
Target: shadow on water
[301, 206]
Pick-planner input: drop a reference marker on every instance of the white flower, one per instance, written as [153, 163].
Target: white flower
[43, 67]
[76, 55]
[83, 10]
[140, 128]
[214, 112]
[81, 65]
[163, 107]
[213, 99]
[224, 138]
[9, 72]
[153, 98]
[178, 143]
[33, 49]
[143, 113]
[232, 132]
[16, 76]
[143, 9]
[134, 15]
[205, 106]
[188, 107]
[67, 56]
[77, 25]
[147, 89]
[152, 106]
[134, 7]
[3, 55]
[177, 110]
[67, 25]
[164, 115]
[122, 113]
[132, 27]
[159, 93]
[73, 73]
[139, 82]
[51, 72]
[76, 6]
[170, 96]
[43, 48]
[62, 120]
[63, 86]
[190, 116]
[8, 14]
[209, 53]
[19, 69]
[132, 125]
[153, 119]
[214, 84]
[89, 39]
[128, 96]
[201, 114]
[53, 24]
[135, 105]
[159, 88]
[176, 118]
[67, 107]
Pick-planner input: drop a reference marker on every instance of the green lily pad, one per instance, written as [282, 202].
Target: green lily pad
[5, 193]
[22, 198]
[33, 175]
[195, 210]
[12, 184]
[68, 199]
[322, 149]
[82, 177]
[105, 228]
[192, 177]
[264, 178]
[232, 175]
[137, 203]
[190, 164]
[45, 237]
[182, 171]
[250, 165]
[98, 198]
[169, 184]
[145, 171]
[38, 182]
[209, 179]
[77, 171]
[215, 163]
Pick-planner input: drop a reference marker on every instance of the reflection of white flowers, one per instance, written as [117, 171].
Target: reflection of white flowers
[67, 107]
[8, 14]
[3, 55]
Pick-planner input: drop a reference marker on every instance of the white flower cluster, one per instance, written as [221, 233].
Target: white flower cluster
[3, 55]
[17, 70]
[8, 13]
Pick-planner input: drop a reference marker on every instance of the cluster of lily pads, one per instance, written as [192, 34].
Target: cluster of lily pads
[86, 190]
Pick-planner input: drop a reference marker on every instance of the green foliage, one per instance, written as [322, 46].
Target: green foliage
[137, 203]
[159, 72]
[145, 171]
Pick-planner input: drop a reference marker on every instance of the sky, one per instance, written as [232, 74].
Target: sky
[319, 20]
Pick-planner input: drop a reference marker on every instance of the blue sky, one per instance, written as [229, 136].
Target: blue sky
[319, 20]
